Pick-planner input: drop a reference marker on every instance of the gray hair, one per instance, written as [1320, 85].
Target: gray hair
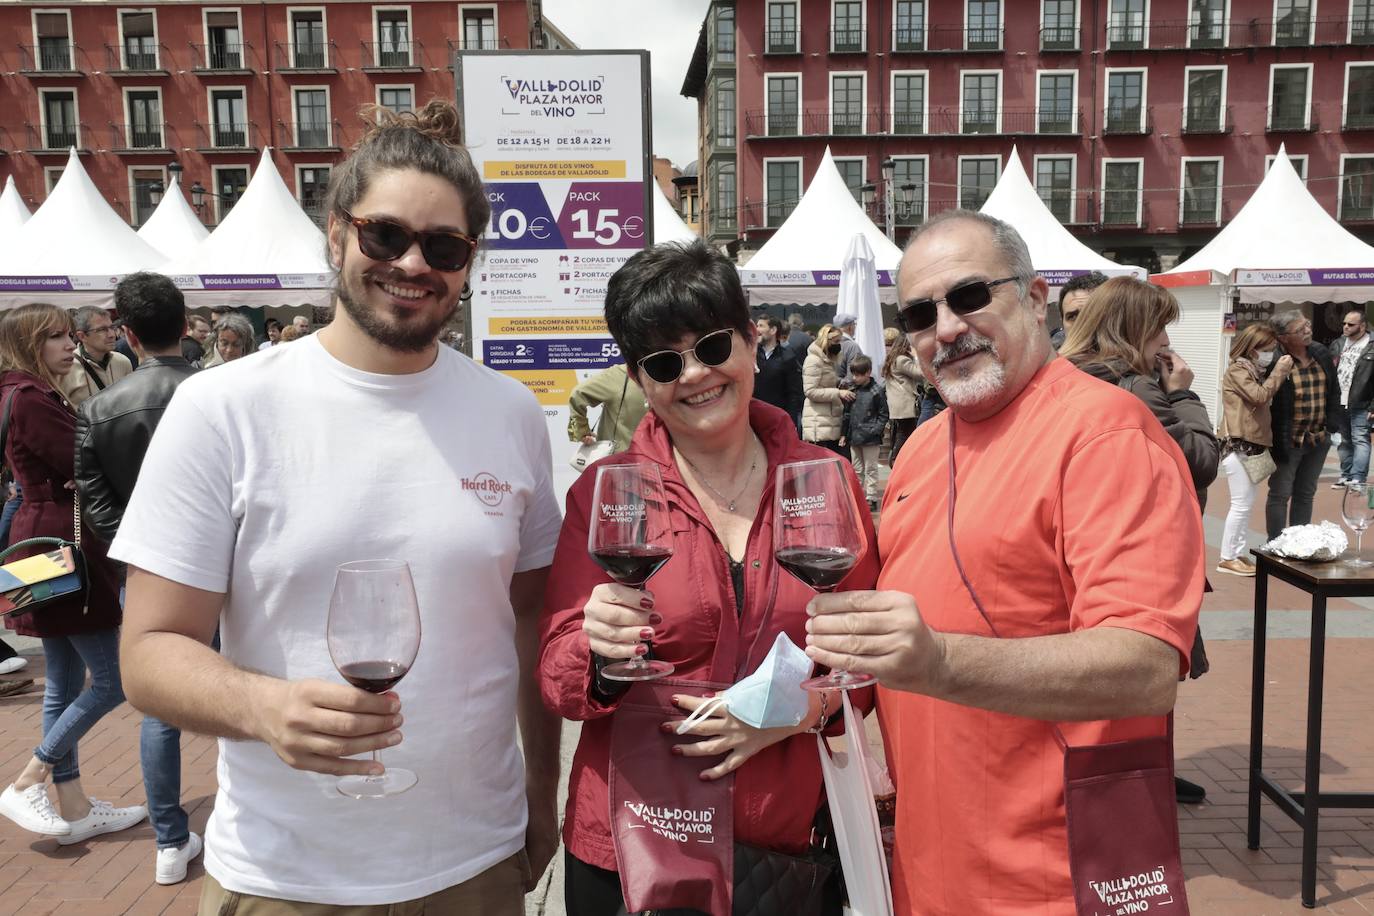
[1282, 320]
[240, 326]
[82, 317]
[1004, 236]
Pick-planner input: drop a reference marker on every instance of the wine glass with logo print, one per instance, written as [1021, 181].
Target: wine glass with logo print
[817, 537]
[374, 636]
[630, 538]
[1358, 513]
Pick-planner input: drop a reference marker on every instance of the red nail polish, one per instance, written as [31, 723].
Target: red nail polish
[646, 633]
[641, 649]
[677, 750]
[666, 727]
[655, 619]
[646, 603]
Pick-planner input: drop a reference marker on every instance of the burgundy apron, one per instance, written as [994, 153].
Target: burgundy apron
[1120, 805]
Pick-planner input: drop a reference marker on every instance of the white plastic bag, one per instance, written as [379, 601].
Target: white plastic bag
[589, 453]
[849, 789]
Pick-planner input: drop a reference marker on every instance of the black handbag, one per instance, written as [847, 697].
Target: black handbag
[769, 883]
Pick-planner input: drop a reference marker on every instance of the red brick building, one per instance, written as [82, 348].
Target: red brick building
[138, 87]
[1143, 123]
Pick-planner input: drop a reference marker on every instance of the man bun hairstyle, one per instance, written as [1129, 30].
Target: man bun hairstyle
[428, 141]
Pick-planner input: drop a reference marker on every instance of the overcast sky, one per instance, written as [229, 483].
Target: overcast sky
[668, 30]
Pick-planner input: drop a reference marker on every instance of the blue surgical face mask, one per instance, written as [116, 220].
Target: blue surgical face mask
[771, 697]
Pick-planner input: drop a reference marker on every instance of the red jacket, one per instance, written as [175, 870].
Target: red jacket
[779, 790]
[41, 451]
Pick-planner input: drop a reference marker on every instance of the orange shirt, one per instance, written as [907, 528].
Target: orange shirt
[1074, 509]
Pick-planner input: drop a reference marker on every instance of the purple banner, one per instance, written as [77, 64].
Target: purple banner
[1362, 276]
[240, 281]
[603, 214]
[520, 217]
[35, 284]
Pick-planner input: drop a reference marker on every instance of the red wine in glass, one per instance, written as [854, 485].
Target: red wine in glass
[817, 537]
[629, 536]
[374, 636]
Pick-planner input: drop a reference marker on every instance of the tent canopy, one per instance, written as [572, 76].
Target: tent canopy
[815, 237]
[1280, 227]
[668, 225]
[174, 228]
[1054, 251]
[75, 233]
[13, 213]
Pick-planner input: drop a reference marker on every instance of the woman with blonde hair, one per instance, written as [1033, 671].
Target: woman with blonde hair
[79, 633]
[1247, 390]
[823, 409]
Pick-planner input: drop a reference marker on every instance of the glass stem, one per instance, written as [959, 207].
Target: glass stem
[1359, 541]
[376, 758]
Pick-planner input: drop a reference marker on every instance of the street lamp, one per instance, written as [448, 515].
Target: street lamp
[174, 169]
[155, 193]
[908, 196]
[197, 196]
[869, 193]
[889, 168]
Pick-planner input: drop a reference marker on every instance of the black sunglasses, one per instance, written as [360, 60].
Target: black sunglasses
[383, 240]
[667, 366]
[964, 299]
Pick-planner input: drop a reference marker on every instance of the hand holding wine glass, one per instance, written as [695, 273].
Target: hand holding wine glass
[817, 537]
[629, 536]
[374, 636]
[1358, 513]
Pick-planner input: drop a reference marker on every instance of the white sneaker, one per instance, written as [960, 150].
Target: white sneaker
[104, 818]
[172, 861]
[33, 810]
[13, 663]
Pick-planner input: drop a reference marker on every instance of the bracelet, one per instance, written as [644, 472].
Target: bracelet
[822, 721]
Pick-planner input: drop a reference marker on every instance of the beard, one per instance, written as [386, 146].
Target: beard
[967, 385]
[411, 334]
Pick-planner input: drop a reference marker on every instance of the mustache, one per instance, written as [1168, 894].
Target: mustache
[391, 274]
[964, 345]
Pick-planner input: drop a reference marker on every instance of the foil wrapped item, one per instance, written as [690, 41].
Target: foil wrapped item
[1314, 543]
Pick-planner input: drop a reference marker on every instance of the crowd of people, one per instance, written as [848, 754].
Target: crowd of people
[1007, 607]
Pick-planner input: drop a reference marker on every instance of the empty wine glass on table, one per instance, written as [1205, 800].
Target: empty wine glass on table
[1358, 513]
[374, 635]
[629, 536]
[817, 537]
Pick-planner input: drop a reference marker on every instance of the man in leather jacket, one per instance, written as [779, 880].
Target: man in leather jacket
[113, 430]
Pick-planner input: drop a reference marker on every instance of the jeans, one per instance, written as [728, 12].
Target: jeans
[929, 408]
[1295, 480]
[69, 711]
[7, 515]
[1233, 539]
[159, 752]
[1354, 447]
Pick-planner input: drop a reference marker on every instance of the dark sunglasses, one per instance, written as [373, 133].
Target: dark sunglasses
[964, 299]
[667, 366]
[383, 240]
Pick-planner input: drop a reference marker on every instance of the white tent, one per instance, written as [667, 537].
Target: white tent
[173, 229]
[265, 252]
[13, 213]
[668, 225]
[802, 260]
[75, 240]
[1054, 251]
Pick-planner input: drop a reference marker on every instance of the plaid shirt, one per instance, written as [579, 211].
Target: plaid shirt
[1309, 404]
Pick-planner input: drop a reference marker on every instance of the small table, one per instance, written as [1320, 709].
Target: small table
[1321, 581]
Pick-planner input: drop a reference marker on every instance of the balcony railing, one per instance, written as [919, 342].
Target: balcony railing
[1059, 38]
[1059, 201]
[1359, 120]
[1122, 208]
[911, 39]
[228, 136]
[57, 57]
[1362, 32]
[1290, 118]
[1054, 120]
[126, 138]
[310, 135]
[846, 41]
[1123, 35]
[777, 213]
[1205, 210]
[55, 138]
[1291, 31]
[984, 38]
[312, 55]
[782, 41]
[938, 122]
[979, 120]
[908, 123]
[1207, 119]
[132, 60]
[1126, 121]
[223, 57]
[391, 55]
[847, 122]
[477, 44]
[1357, 206]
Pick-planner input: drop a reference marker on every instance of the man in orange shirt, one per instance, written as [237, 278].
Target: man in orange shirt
[1076, 525]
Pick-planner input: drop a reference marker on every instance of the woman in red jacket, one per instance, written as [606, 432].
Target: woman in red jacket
[78, 635]
[715, 609]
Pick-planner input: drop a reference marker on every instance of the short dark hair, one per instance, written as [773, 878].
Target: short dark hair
[861, 365]
[1085, 282]
[271, 323]
[152, 307]
[667, 291]
[773, 322]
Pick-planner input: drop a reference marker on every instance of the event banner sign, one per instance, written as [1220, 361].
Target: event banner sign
[561, 139]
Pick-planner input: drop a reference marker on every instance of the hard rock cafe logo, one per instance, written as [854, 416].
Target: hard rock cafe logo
[487, 488]
[677, 824]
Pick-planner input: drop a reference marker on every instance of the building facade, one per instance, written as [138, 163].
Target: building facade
[150, 91]
[1144, 124]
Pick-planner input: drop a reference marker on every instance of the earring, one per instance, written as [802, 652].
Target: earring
[466, 294]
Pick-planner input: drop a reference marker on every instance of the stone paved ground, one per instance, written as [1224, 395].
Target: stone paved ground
[114, 874]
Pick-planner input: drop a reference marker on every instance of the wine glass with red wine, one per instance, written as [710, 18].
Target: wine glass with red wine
[374, 634]
[630, 538]
[817, 538]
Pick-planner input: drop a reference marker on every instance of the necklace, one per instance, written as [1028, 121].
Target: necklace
[729, 501]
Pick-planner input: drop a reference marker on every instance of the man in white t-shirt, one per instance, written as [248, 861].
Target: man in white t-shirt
[404, 449]
[1355, 377]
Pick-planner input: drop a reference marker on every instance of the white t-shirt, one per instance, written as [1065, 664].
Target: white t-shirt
[448, 469]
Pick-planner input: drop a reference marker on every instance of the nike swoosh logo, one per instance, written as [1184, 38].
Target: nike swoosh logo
[902, 497]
